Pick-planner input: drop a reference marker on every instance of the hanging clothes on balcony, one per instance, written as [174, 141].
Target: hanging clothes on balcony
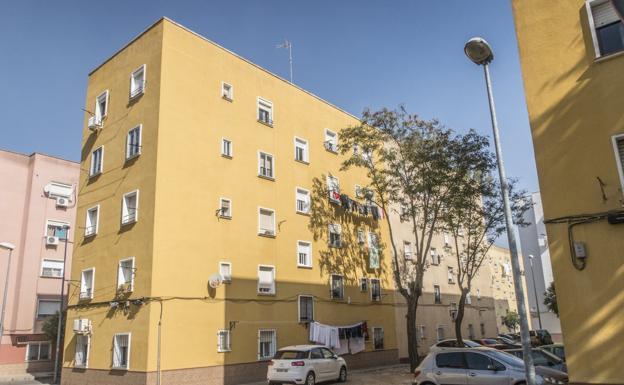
[345, 201]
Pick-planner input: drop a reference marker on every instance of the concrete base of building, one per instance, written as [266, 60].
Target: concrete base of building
[212, 375]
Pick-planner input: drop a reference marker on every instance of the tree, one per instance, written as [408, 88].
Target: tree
[550, 299]
[511, 320]
[475, 214]
[50, 327]
[408, 162]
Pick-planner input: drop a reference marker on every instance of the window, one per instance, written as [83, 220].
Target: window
[51, 268]
[333, 187]
[38, 351]
[130, 207]
[121, 351]
[227, 91]
[373, 250]
[375, 289]
[133, 142]
[101, 107]
[435, 257]
[306, 308]
[267, 343]
[266, 280]
[440, 333]
[407, 250]
[606, 27]
[302, 201]
[266, 222]
[482, 329]
[468, 299]
[125, 275]
[437, 296]
[301, 150]
[223, 341]
[265, 111]
[97, 161]
[56, 229]
[304, 254]
[378, 338]
[361, 237]
[421, 332]
[471, 333]
[92, 221]
[86, 283]
[447, 240]
[226, 148]
[450, 360]
[225, 208]
[331, 141]
[335, 235]
[137, 82]
[618, 147]
[451, 275]
[478, 295]
[81, 356]
[363, 284]
[47, 307]
[225, 269]
[265, 165]
[337, 286]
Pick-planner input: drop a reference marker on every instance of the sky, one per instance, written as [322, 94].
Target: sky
[352, 53]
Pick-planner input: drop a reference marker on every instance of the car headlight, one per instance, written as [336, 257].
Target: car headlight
[552, 380]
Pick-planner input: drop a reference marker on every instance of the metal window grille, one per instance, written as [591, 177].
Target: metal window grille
[266, 344]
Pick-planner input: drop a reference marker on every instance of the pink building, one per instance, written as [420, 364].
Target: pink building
[37, 199]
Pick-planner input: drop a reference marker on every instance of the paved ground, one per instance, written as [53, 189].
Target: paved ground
[386, 375]
[42, 381]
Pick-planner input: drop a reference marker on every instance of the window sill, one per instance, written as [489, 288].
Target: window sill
[228, 217]
[268, 124]
[302, 162]
[92, 176]
[308, 267]
[48, 276]
[272, 179]
[127, 223]
[119, 368]
[226, 156]
[224, 351]
[307, 214]
[227, 99]
[84, 299]
[335, 152]
[266, 235]
[610, 56]
[266, 294]
[137, 94]
[90, 235]
[129, 158]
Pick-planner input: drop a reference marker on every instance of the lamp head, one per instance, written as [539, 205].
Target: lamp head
[479, 51]
[7, 246]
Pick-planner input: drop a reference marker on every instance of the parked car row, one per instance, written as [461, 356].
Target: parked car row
[306, 364]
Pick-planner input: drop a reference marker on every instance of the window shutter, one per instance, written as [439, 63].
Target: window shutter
[620, 150]
[265, 276]
[604, 14]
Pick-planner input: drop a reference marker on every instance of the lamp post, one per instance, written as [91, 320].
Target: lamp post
[10, 247]
[479, 52]
[539, 316]
[59, 327]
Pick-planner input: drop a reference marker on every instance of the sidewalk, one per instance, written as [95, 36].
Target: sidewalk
[383, 375]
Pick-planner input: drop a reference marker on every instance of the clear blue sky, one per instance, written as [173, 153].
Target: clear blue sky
[354, 54]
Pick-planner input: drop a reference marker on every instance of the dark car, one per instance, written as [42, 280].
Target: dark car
[540, 337]
[542, 358]
[556, 349]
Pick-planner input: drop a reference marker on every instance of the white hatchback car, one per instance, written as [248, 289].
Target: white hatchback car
[306, 364]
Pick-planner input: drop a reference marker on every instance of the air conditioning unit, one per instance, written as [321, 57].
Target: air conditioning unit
[62, 202]
[94, 123]
[52, 241]
[82, 326]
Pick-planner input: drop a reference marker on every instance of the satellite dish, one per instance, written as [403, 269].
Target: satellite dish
[215, 280]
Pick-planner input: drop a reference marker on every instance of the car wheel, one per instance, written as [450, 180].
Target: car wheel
[310, 379]
[342, 377]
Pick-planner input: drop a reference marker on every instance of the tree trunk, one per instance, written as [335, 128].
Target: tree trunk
[460, 318]
[412, 332]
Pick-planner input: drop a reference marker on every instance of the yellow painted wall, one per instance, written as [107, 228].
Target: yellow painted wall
[575, 106]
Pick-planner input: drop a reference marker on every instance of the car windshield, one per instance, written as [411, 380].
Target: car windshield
[490, 341]
[290, 355]
[507, 358]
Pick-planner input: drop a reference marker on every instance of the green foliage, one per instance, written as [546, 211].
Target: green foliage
[50, 327]
[550, 299]
[511, 320]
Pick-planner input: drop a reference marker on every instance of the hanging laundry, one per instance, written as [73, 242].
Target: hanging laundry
[344, 347]
[344, 201]
[356, 345]
[335, 196]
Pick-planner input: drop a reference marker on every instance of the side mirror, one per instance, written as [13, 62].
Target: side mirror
[492, 368]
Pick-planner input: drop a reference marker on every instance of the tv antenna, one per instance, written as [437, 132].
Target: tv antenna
[288, 45]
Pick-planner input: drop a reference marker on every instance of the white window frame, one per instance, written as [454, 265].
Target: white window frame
[83, 284]
[138, 145]
[90, 228]
[97, 114]
[407, 250]
[134, 90]
[299, 307]
[468, 299]
[43, 262]
[267, 105]
[127, 366]
[331, 286]
[260, 174]
[260, 230]
[225, 278]
[39, 343]
[86, 353]
[273, 342]
[221, 214]
[55, 223]
[450, 272]
[439, 295]
[332, 230]
[309, 258]
[306, 149]
[373, 249]
[40, 316]
[273, 290]
[619, 160]
[331, 137]
[422, 332]
[124, 208]
[132, 273]
[231, 148]
[382, 337]
[220, 347]
[93, 172]
[364, 285]
[227, 94]
[309, 200]
[435, 257]
[592, 27]
[333, 184]
[372, 297]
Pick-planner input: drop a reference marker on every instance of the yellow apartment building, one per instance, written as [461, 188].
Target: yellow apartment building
[572, 56]
[217, 222]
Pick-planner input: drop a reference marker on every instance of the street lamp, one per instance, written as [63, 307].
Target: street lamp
[479, 52]
[539, 316]
[10, 247]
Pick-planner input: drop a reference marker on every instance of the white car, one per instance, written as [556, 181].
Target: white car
[306, 364]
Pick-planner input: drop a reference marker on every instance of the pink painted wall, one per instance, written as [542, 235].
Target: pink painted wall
[24, 210]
